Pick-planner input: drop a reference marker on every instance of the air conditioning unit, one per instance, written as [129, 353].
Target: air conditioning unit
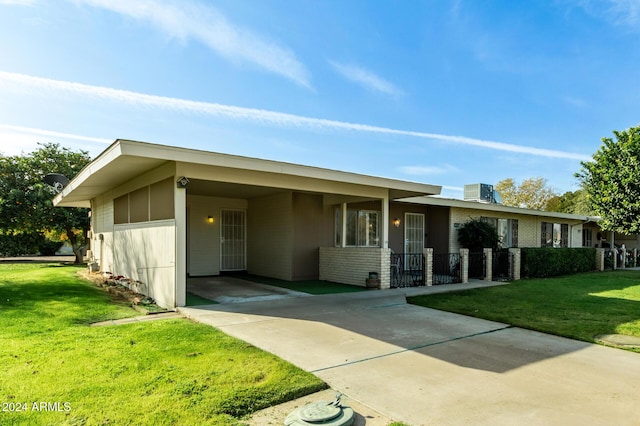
[481, 192]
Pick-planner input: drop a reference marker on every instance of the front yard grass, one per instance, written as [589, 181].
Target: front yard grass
[579, 306]
[58, 370]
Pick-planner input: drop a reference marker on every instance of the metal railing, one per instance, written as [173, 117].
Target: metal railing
[446, 268]
[503, 266]
[477, 265]
[407, 270]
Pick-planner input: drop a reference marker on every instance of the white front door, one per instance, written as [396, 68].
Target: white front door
[233, 240]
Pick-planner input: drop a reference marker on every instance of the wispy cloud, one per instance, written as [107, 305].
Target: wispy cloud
[17, 2]
[366, 79]
[25, 139]
[617, 12]
[189, 20]
[428, 170]
[624, 12]
[576, 102]
[42, 85]
[51, 133]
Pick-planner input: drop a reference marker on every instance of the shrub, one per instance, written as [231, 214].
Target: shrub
[550, 262]
[48, 247]
[477, 234]
[19, 244]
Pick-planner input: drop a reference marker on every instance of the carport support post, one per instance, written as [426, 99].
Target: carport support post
[488, 264]
[385, 222]
[464, 265]
[600, 259]
[515, 274]
[428, 266]
[180, 212]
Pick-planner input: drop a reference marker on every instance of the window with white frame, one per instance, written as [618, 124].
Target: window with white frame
[554, 234]
[363, 228]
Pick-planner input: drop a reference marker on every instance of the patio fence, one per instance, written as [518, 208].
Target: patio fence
[446, 268]
[407, 269]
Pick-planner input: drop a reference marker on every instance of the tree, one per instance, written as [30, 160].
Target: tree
[532, 193]
[26, 205]
[570, 202]
[612, 182]
[476, 234]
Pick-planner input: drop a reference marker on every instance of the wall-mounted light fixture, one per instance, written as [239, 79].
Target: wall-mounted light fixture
[396, 222]
[182, 182]
[210, 219]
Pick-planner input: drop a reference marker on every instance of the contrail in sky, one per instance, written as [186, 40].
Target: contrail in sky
[261, 115]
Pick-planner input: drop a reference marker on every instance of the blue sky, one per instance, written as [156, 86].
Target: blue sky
[441, 92]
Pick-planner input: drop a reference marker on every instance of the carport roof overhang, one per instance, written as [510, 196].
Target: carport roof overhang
[126, 159]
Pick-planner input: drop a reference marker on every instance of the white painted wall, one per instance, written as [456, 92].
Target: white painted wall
[204, 237]
[146, 252]
[102, 225]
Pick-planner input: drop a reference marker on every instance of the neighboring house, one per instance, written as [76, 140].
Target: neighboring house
[516, 226]
[160, 214]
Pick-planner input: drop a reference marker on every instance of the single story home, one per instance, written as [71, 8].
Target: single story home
[161, 214]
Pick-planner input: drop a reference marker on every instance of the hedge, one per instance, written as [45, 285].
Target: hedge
[27, 244]
[551, 262]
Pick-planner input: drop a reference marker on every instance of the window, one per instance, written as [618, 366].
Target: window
[554, 234]
[507, 230]
[587, 237]
[337, 220]
[363, 228]
[151, 202]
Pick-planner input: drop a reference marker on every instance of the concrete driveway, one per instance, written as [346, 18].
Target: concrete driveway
[428, 367]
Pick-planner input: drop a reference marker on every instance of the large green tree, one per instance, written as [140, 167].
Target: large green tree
[612, 182]
[575, 202]
[26, 205]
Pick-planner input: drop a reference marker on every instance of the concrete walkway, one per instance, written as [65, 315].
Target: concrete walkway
[428, 367]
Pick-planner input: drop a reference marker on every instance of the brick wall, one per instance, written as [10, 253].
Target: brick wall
[351, 265]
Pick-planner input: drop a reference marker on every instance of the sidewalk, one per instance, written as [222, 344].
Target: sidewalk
[428, 367]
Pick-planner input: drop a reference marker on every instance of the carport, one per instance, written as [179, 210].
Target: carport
[163, 213]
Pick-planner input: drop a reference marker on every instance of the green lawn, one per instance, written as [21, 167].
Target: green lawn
[58, 370]
[579, 306]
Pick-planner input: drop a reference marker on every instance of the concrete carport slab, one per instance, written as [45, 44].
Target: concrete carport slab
[428, 367]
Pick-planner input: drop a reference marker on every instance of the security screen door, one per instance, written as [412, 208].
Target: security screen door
[413, 237]
[233, 240]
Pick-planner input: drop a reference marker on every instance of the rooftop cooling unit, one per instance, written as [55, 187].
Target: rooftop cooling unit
[481, 192]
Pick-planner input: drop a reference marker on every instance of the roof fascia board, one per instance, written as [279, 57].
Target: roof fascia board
[107, 156]
[190, 158]
[281, 181]
[197, 157]
[449, 202]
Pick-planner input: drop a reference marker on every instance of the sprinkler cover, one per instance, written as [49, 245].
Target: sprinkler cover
[322, 413]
